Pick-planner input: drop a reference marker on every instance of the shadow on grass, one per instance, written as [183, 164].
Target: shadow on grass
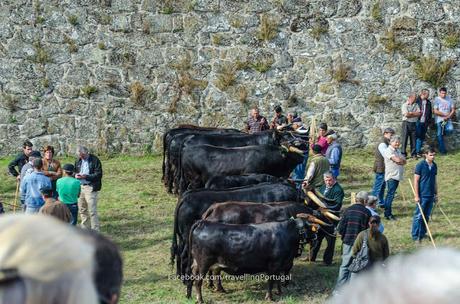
[149, 278]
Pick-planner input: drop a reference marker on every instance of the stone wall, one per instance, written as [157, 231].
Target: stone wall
[115, 74]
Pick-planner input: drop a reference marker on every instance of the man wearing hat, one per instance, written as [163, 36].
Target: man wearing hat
[68, 189]
[379, 166]
[279, 120]
[54, 207]
[317, 166]
[334, 154]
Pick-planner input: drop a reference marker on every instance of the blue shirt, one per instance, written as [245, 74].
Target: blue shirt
[31, 188]
[427, 182]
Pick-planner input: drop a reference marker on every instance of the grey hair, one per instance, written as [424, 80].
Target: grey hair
[395, 138]
[328, 174]
[82, 149]
[362, 196]
[34, 246]
[371, 200]
[404, 275]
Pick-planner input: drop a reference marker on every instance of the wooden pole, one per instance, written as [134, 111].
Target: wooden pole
[423, 215]
[313, 129]
[445, 215]
[353, 198]
[16, 196]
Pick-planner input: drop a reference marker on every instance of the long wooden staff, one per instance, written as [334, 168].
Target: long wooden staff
[313, 129]
[16, 196]
[423, 215]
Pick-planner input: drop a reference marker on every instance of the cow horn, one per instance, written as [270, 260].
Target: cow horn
[315, 199]
[295, 150]
[330, 215]
[284, 148]
[311, 218]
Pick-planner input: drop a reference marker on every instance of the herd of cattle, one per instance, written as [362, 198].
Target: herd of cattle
[237, 211]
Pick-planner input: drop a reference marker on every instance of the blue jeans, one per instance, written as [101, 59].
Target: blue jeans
[418, 226]
[442, 146]
[420, 135]
[379, 188]
[73, 208]
[335, 172]
[392, 185]
[32, 209]
[344, 273]
[299, 170]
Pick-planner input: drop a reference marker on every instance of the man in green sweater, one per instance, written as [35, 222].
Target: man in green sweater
[68, 189]
[317, 166]
[334, 194]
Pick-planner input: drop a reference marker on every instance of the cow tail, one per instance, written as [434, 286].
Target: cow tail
[181, 182]
[190, 243]
[174, 249]
[164, 157]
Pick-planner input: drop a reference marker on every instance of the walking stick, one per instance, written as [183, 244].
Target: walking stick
[16, 196]
[447, 218]
[423, 215]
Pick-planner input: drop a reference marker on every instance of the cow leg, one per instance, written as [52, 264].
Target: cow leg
[269, 295]
[211, 281]
[220, 288]
[278, 288]
[198, 273]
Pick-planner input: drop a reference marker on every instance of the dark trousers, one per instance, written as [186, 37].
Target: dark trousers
[329, 253]
[420, 134]
[408, 132]
[73, 208]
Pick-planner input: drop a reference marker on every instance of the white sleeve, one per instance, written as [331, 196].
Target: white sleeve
[382, 147]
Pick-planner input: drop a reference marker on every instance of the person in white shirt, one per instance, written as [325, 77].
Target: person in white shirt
[394, 162]
[410, 114]
[444, 108]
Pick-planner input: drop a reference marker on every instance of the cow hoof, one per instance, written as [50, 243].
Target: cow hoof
[268, 298]
[278, 293]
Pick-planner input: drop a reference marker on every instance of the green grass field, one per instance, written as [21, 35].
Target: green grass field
[137, 214]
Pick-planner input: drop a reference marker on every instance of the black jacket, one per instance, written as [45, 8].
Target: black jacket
[428, 111]
[95, 171]
[19, 161]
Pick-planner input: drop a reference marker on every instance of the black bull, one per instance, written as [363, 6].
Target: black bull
[172, 141]
[243, 249]
[200, 163]
[193, 204]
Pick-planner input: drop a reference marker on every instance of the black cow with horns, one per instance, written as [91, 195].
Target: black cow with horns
[245, 249]
[193, 204]
[200, 163]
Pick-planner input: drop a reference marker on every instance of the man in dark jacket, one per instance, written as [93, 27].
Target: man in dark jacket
[379, 166]
[334, 192]
[89, 171]
[20, 160]
[423, 121]
[354, 220]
